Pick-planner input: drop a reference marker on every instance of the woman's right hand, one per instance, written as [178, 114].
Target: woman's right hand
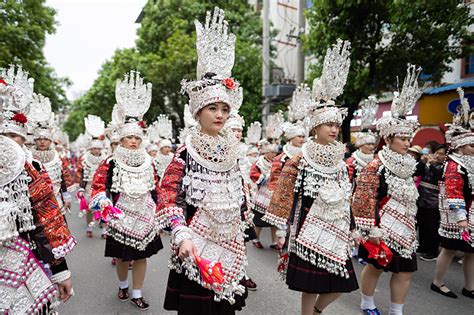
[281, 242]
[80, 194]
[463, 224]
[186, 249]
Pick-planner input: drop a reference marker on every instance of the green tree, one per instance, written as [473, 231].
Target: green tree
[24, 25]
[385, 36]
[165, 54]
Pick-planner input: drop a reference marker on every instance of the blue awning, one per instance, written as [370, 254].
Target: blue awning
[449, 87]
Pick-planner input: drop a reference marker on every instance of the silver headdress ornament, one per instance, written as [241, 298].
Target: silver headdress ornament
[292, 130]
[133, 98]
[368, 111]
[16, 94]
[41, 117]
[235, 121]
[95, 128]
[460, 131]
[273, 129]
[301, 101]
[216, 55]
[402, 104]
[118, 118]
[254, 133]
[164, 126]
[329, 86]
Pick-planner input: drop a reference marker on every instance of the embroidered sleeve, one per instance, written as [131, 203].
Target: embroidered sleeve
[98, 188]
[170, 213]
[79, 172]
[350, 168]
[255, 175]
[454, 184]
[281, 204]
[49, 216]
[277, 166]
[67, 176]
[365, 197]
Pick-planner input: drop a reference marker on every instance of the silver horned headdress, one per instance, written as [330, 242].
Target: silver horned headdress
[329, 86]
[133, 97]
[16, 94]
[402, 105]
[368, 111]
[254, 133]
[95, 128]
[216, 55]
[301, 101]
[41, 117]
[460, 131]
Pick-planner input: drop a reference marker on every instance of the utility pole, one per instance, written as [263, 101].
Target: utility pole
[265, 59]
[300, 54]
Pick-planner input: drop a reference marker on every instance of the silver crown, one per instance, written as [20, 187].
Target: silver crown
[95, 126]
[329, 86]
[235, 121]
[41, 117]
[254, 133]
[132, 95]
[460, 131]
[274, 122]
[216, 54]
[164, 126]
[368, 111]
[334, 75]
[215, 46]
[17, 93]
[300, 102]
[402, 104]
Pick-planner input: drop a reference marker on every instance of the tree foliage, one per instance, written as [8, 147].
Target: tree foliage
[165, 53]
[385, 36]
[24, 26]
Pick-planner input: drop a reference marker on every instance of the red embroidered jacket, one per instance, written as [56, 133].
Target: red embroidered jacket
[49, 220]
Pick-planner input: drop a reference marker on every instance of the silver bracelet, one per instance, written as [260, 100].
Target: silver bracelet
[180, 234]
[60, 276]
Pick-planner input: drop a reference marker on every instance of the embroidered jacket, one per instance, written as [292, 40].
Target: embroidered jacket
[277, 166]
[455, 201]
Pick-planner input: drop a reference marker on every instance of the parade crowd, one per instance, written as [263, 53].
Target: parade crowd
[380, 201]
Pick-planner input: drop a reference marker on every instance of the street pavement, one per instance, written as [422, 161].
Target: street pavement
[95, 284]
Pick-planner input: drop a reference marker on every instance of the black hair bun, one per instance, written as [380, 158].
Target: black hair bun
[209, 75]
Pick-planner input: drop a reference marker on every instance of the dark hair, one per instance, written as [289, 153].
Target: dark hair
[432, 145]
[441, 146]
[209, 75]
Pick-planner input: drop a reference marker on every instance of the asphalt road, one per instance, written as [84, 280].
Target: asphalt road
[95, 284]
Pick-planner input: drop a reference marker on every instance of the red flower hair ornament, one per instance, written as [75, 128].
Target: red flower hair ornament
[20, 118]
[229, 83]
[142, 124]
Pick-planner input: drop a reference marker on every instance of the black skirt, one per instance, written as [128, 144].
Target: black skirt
[116, 249]
[302, 276]
[398, 263]
[188, 297]
[257, 220]
[455, 244]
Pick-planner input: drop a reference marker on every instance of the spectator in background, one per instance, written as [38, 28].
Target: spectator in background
[431, 170]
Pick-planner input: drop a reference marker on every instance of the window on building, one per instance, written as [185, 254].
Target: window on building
[468, 66]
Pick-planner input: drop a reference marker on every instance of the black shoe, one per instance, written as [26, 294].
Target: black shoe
[438, 290]
[123, 294]
[469, 294]
[140, 303]
[428, 257]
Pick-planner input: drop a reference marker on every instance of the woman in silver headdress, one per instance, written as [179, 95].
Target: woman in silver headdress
[126, 192]
[202, 188]
[313, 197]
[384, 204]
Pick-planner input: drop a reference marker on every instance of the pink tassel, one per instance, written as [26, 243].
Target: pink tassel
[466, 236]
[108, 213]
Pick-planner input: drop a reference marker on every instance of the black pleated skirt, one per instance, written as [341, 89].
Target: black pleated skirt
[257, 220]
[116, 249]
[398, 263]
[188, 297]
[455, 244]
[302, 276]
